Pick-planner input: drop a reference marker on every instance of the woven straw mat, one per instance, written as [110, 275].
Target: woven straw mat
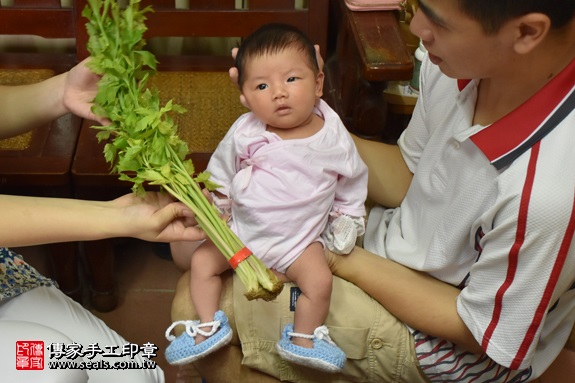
[211, 101]
[21, 77]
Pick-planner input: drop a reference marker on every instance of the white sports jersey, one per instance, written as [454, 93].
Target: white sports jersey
[282, 191]
[492, 211]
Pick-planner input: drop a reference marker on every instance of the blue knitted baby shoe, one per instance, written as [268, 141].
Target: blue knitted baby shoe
[324, 356]
[184, 349]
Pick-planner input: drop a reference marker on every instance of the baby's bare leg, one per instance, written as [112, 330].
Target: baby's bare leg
[313, 276]
[206, 265]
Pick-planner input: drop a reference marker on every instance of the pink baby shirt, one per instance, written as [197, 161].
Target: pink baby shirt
[282, 191]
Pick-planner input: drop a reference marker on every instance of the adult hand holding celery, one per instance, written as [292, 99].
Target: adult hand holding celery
[142, 141]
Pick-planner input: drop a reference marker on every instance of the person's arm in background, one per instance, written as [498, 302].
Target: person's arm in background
[32, 220]
[26, 107]
[152, 217]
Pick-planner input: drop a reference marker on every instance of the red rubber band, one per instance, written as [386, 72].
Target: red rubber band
[235, 260]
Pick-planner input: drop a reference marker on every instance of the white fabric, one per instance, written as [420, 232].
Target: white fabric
[460, 218]
[53, 315]
[14, 331]
[224, 205]
[282, 191]
[321, 333]
[193, 328]
[341, 233]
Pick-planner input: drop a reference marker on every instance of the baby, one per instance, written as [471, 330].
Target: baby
[293, 182]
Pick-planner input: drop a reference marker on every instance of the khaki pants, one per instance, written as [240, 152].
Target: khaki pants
[379, 348]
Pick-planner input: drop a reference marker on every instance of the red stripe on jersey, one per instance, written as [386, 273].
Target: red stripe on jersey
[548, 293]
[516, 247]
[462, 83]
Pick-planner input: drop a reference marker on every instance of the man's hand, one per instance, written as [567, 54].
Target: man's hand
[334, 261]
[234, 77]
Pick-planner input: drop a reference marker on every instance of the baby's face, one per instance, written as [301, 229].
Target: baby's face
[281, 89]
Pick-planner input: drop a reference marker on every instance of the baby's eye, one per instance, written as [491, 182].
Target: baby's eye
[262, 86]
[291, 79]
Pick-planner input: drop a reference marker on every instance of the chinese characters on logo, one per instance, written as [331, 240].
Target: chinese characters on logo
[30, 355]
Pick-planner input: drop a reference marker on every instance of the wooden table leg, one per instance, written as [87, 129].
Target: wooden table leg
[99, 257]
[64, 257]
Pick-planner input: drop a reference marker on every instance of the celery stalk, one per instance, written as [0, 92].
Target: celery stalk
[142, 141]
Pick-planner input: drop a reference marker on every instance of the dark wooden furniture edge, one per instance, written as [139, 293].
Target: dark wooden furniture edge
[369, 51]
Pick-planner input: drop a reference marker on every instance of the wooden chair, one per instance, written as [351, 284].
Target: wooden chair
[38, 163]
[199, 82]
[371, 48]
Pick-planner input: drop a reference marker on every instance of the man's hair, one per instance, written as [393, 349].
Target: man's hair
[271, 39]
[493, 14]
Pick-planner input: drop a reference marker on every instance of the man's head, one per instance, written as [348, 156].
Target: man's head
[274, 38]
[492, 14]
[492, 38]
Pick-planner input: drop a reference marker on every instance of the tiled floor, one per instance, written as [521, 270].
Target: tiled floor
[146, 287]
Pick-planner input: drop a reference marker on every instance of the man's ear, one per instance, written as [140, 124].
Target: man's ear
[530, 30]
[319, 84]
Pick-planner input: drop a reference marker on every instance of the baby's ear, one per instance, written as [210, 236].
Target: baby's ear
[319, 84]
[244, 101]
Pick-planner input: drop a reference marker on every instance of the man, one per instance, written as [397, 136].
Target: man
[476, 266]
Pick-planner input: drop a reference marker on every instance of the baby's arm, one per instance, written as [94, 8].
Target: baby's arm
[346, 220]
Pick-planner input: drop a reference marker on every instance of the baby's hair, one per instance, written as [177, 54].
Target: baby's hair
[271, 39]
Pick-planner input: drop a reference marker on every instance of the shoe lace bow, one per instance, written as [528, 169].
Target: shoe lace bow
[193, 328]
[320, 333]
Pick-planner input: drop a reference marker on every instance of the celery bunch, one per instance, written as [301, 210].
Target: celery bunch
[142, 141]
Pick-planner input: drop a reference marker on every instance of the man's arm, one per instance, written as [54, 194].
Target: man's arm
[415, 298]
[389, 177]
